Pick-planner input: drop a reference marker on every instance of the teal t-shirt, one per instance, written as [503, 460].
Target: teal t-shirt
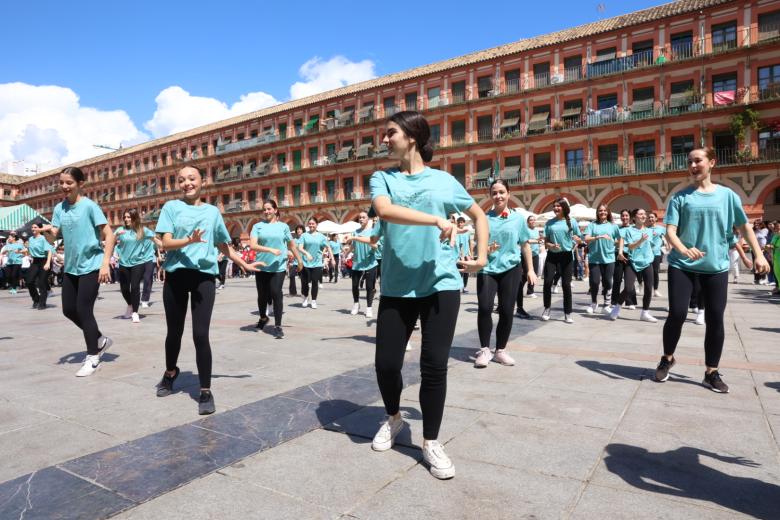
[557, 232]
[510, 232]
[78, 224]
[38, 247]
[417, 263]
[534, 238]
[642, 256]
[463, 242]
[602, 251]
[704, 221]
[656, 238]
[133, 251]
[364, 256]
[298, 244]
[380, 244]
[276, 235]
[313, 243]
[14, 254]
[335, 246]
[623, 231]
[181, 219]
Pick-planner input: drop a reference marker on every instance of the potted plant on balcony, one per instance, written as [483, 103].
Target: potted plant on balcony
[748, 118]
[557, 125]
[694, 97]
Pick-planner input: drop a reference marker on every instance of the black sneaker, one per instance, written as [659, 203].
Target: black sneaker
[662, 372]
[715, 383]
[165, 386]
[35, 304]
[522, 314]
[206, 403]
[278, 333]
[261, 322]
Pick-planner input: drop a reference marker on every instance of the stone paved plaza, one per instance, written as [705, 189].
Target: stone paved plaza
[577, 429]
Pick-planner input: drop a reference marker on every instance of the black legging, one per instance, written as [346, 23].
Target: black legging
[222, 265]
[560, 264]
[438, 314]
[334, 273]
[697, 300]
[370, 278]
[38, 282]
[629, 294]
[714, 289]
[130, 284]
[657, 270]
[178, 286]
[311, 275]
[78, 302]
[617, 284]
[506, 286]
[13, 271]
[293, 277]
[146, 293]
[530, 290]
[601, 274]
[269, 290]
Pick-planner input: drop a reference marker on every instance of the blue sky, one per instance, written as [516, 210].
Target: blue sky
[121, 56]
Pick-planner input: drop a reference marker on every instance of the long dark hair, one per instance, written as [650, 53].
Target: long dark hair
[75, 172]
[609, 213]
[564, 204]
[135, 222]
[273, 204]
[415, 125]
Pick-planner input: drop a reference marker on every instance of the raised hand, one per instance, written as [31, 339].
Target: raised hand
[196, 237]
[695, 254]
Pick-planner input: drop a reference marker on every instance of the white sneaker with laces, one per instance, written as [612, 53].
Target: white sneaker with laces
[646, 316]
[369, 313]
[700, 317]
[269, 311]
[305, 302]
[136, 318]
[614, 313]
[567, 318]
[532, 295]
[314, 304]
[607, 309]
[483, 358]
[128, 313]
[631, 307]
[91, 363]
[555, 289]
[145, 305]
[546, 314]
[440, 464]
[385, 437]
[355, 309]
[104, 343]
[592, 309]
[656, 293]
[503, 358]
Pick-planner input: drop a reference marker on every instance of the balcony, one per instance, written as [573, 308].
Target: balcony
[770, 91]
[458, 96]
[542, 174]
[641, 109]
[647, 164]
[720, 46]
[541, 79]
[392, 110]
[512, 86]
[610, 168]
[234, 206]
[364, 151]
[485, 134]
[577, 170]
[768, 32]
[366, 114]
[482, 178]
[345, 119]
[511, 174]
[572, 73]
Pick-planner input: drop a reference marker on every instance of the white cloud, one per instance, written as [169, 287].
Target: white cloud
[46, 125]
[178, 110]
[326, 75]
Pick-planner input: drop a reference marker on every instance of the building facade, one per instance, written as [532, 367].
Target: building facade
[601, 113]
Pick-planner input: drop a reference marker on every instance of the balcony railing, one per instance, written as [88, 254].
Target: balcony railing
[486, 134]
[541, 79]
[770, 91]
[767, 32]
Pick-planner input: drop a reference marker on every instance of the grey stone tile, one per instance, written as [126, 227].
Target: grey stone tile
[53, 493]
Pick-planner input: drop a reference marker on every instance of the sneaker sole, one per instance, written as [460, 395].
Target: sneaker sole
[442, 474]
[707, 385]
[662, 380]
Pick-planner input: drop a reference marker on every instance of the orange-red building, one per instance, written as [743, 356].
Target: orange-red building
[604, 112]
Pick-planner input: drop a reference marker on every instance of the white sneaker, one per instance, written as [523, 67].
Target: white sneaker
[483, 358]
[314, 304]
[128, 313]
[736, 280]
[355, 309]
[567, 318]
[646, 316]
[656, 293]
[695, 310]
[532, 295]
[614, 313]
[104, 343]
[607, 309]
[385, 437]
[136, 318]
[440, 464]
[700, 317]
[305, 302]
[269, 311]
[555, 289]
[145, 305]
[546, 314]
[503, 358]
[369, 313]
[90, 365]
[592, 309]
[631, 307]
[408, 345]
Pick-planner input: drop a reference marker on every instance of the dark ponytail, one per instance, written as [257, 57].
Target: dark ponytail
[415, 125]
[564, 204]
[75, 172]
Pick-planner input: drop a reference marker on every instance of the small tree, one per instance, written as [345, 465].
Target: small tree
[748, 118]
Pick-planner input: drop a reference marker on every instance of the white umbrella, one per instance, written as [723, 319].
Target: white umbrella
[544, 217]
[348, 227]
[327, 227]
[582, 212]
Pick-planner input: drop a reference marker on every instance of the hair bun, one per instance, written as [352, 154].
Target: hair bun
[426, 151]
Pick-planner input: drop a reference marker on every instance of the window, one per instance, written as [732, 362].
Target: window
[330, 190]
[366, 183]
[682, 45]
[314, 153]
[542, 166]
[606, 101]
[281, 160]
[459, 172]
[313, 189]
[511, 123]
[769, 81]
[484, 165]
[369, 139]
[769, 144]
[681, 87]
[642, 53]
[225, 199]
[266, 194]
[512, 80]
[541, 74]
[681, 146]
[410, 100]
[433, 97]
[297, 194]
[575, 163]
[485, 86]
[458, 131]
[572, 68]
[485, 128]
[724, 89]
[349, 187]
[330, 151]
[609, 161]
[389, 105]
[724, 37]
[435, 139]
[162, 184]
[280, 194]
[606, 54]
[252, 196]
[644, 156]
[572, 113]
[297, 159]
[459, 92]
[768, 25]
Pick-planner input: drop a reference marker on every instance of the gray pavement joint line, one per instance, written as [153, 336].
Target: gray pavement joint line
[581, 491]
[93, 482]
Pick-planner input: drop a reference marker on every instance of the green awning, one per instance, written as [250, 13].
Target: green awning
[14, 217]
[312, 123]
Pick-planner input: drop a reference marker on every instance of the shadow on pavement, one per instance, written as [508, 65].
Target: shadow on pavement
[613, 371]
[762, 329]
[356, 337]
[79, 357]
[680, 473]
[775, 385]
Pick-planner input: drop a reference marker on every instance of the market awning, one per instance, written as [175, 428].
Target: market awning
[512, 121]
[344, 153]
[312, 123]
[511, 173]
[365, 111]
[572, 112]
[542, 116]
[364, 150]
[15, 217]
[642, 105]
[680, 99]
